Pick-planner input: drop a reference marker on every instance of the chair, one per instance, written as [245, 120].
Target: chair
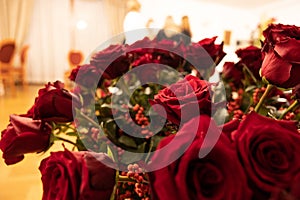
[7, 52]
[20, 72]
[75, 58]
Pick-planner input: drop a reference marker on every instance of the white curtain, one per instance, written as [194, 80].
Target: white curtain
[49, 41]
[116, 11]
[15, 18]
[50, 35]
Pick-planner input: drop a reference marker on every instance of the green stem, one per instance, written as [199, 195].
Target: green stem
[65, 140]
[290, 108]
[89, 119]
[263, 98]
[113, 194]
[127, 179]
[149, 153]
[251, 74]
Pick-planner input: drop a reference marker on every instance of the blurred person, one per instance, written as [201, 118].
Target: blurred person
[152, 31]
[186, 30]
[170, 31]
[134, 20]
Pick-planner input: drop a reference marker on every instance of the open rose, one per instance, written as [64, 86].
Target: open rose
[185, 99]
[218, 175]
[77, 175]
[281, 64]
[23, 135]
[269, 151]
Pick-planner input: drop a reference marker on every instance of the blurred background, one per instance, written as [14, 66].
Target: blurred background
[51, 36]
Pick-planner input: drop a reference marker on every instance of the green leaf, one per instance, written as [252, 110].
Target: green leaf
[155, 141]
[250, 88]
[130, 157]
[127, 141]
[263, 111]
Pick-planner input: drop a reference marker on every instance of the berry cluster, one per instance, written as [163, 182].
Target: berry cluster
[136, 186]
[142, 120]
[257, 93]
[234, 106]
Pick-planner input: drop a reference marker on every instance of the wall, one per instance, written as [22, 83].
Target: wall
[206, 19]
[50, 37]
[285, 12]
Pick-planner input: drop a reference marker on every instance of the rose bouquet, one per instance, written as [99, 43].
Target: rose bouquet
[146, 124]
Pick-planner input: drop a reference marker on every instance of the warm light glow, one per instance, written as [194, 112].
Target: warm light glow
[81, 24]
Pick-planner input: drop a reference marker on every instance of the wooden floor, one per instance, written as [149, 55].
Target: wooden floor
[21, 181]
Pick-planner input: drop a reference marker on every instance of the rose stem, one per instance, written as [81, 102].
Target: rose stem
[291, 107]
[65, 140]
[264, 96]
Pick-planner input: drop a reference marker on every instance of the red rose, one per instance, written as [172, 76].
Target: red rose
[77, 175]
[251, 56]
[219, 175]
[269, 151]
[187, 98]
[214, 50]
[23, 135]
[87, 75]
[112, 60]
[282, 55]
[169, 53]
[149, 72]
[51, 86]
[295, 187]
[232, 72]
[54, 105]
[230, 127]
[141, 47]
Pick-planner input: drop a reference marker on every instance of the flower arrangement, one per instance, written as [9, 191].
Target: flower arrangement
[146, 124]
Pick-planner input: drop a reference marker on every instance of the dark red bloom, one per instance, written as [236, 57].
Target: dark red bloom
[268, 150]
[282, 55]
[87, 75]
[54, 105]
[251, 56]
[185, 99]
[77, 175]
[191, 177]
[23, 135]
[113, 61]
[232, 72]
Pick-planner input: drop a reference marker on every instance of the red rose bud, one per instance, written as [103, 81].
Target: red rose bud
[23, 135]
[214, 50]
[282, 55]
[251, 56]
[54, 105]
[77, 175]
[232, 72]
